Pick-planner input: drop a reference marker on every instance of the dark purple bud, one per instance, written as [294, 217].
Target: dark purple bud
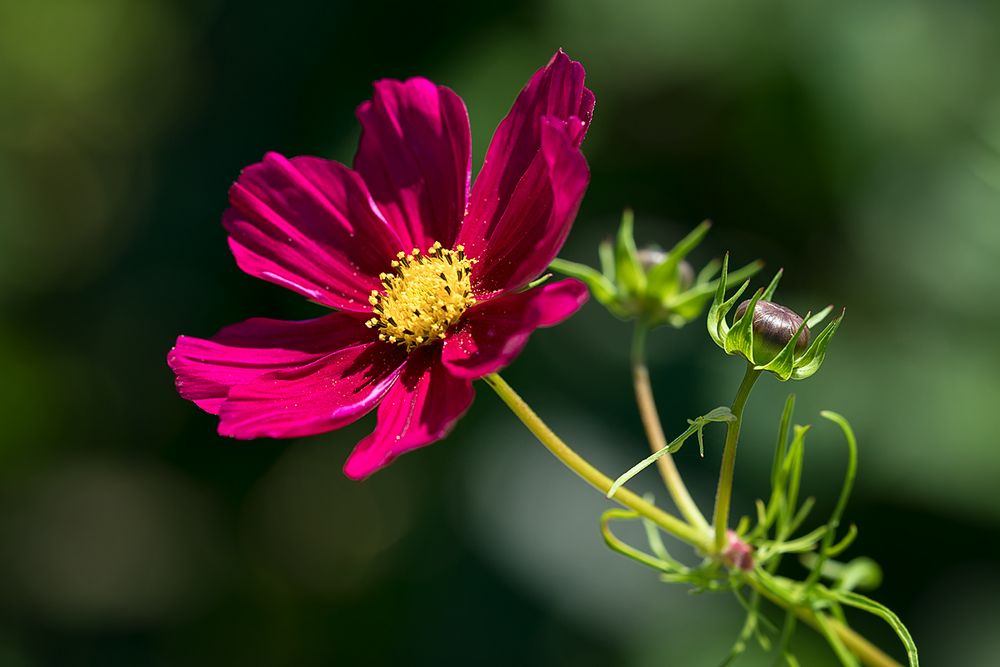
[649, 257]
[773, 326]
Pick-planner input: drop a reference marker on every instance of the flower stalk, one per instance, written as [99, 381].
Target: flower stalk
[654, 432]
[724, 495]
[589, 473]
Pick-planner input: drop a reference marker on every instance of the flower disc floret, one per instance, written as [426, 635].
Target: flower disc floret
[424, 298]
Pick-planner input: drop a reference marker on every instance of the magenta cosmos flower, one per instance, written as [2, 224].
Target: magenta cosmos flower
[427, 278]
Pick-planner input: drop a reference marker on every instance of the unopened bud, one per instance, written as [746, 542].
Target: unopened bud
[737, 553]
[773, 326]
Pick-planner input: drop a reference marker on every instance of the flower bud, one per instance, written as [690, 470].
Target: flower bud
[651, 285]
[773, 326]
[737, 554]
[765, 338]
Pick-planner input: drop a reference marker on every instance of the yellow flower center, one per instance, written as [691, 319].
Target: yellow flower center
[424, 298]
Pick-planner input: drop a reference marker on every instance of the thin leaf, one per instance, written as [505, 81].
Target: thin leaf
[719, 414]
[792, 474]
[626, 550]
[845, 541]
[805, 543]
[787, 630]
[801, 515]
[845, 491]
[864, 603]
[782, 444]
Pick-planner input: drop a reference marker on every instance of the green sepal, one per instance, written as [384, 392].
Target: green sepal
[606, 255]
[629, 274]
[716, 318]
[812, 358]
[718, 329]
[540, 280]
[740, 338]
[663, 279]
[602, 288]
[783, 364]
[818, 318]
[688, 305]
[708, 272]
[769, 291]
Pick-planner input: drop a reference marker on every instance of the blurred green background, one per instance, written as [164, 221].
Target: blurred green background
[856, 144]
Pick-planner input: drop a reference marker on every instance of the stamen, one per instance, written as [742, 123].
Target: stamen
[422, 300]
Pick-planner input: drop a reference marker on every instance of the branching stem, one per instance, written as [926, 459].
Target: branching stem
[869, 654]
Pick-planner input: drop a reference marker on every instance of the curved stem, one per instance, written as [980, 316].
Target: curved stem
[654, 432]
[724, 495]
[589, 473]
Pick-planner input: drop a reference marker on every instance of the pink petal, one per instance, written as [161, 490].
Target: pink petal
[421, 408]
[207, 369]
[494, 333]
[310, 225]
[329, 393]
[526, 196]
[414, 155]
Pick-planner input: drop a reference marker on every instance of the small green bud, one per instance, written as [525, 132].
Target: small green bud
[773, 326]
[653, 285]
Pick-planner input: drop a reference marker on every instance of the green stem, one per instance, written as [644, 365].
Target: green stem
[868, 653]
[589, 473]
[724, 496]
[654, 432]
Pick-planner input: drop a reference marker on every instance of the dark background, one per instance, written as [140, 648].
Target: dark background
[857, 144]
